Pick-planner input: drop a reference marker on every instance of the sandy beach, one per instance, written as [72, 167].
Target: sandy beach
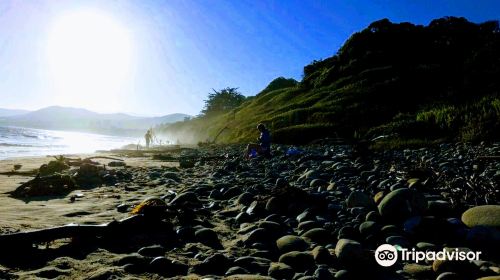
[95, 206]
[92, 206]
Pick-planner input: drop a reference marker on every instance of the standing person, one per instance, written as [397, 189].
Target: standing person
[263, 147]
[148, 137]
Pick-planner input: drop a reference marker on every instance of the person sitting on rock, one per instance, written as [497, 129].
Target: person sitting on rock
[263, 147]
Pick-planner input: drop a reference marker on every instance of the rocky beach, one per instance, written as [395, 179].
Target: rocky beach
[241, 140]
[311, 212]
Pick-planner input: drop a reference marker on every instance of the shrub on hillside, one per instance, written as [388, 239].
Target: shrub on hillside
[303, 134]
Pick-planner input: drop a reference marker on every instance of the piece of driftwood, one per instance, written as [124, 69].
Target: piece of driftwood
[79, 161]
[102, 157]
[20, 173]
[70, 231]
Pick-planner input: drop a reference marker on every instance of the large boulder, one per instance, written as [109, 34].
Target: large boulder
[349, 252]
[290, 243]
[484, 215]
[402, 204]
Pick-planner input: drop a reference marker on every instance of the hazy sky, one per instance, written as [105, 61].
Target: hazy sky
[160, 57]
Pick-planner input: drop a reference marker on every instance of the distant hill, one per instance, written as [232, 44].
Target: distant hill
[76, 119]
[434, 82]
[11, 112]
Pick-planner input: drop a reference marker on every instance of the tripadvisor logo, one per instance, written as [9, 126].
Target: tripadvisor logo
[387, 255]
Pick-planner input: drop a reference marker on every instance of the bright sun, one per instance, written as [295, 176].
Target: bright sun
[89, 57]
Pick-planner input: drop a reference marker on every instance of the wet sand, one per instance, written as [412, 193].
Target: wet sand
[96, 206]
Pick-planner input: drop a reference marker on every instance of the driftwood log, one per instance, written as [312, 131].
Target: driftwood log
[72, 231]
[103, 157]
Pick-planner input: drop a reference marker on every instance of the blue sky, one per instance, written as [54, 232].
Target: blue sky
[180, 50]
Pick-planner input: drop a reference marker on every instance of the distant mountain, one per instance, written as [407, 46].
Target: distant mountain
[77, 119]
[11, 112]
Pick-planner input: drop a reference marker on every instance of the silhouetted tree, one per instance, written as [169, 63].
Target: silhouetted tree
[222, 101]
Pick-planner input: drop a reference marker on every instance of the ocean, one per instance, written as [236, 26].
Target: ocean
[25, 142]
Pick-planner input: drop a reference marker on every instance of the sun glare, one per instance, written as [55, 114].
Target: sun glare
[89, 57]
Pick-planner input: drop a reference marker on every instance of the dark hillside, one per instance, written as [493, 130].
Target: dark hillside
[439, 81]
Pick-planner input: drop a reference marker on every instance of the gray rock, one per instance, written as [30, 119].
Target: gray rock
[259, 235]
[289, 243]
[152, 251]
[359, 199]
[401, 204]
[275, 228]
[372, 216]
[254, 264]
[134, 263]
[273, 205]
[208, 237]
[305, 216]
[449, 276]
[167, 267]
[236, 270]
[349, 252]
[369, 228]
[299, 261]
[321, 255]
[484, 215]
[317, 235]
[216, 264]
[232, 192]
[245, 199]
[344, 275]
[171, 175]
[256, 208]
[317, 183]
[279, 270]
[184, 198]
[307, 225]
[322, 273]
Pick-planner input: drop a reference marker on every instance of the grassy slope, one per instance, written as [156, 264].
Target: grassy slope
[424, 82]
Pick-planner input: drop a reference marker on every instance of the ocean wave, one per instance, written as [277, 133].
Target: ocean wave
[17, 145]
[19, 142]
[30, 136]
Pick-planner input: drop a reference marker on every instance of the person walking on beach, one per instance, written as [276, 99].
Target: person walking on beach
[148, 137]
[263, 147]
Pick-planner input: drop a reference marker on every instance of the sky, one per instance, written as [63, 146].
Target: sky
[153, 58]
